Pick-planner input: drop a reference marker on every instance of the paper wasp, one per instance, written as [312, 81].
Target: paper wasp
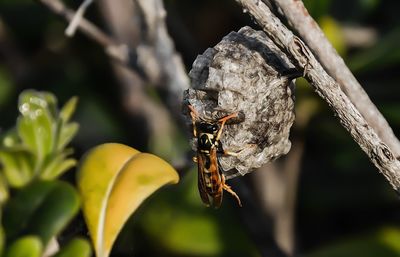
[211, 180]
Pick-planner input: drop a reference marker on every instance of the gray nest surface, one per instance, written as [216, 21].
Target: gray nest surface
[245, 73]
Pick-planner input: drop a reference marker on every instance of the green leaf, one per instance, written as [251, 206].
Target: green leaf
[57, 209]
[179, 213]
[384, 242]
[10, 138]
[21, 207]
[58, 168]
[3, 192]
[38, 100]
[28, 246]
[76, 248]
[45, 132]
[114, 180]
[17, 166]
[57, 164]
[63, 167]
[26, 132]
[42, 208]
[68, 109]
[67, 132]
[36, 125]
[2, 241]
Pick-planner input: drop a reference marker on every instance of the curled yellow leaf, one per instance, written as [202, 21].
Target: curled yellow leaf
[114, 180]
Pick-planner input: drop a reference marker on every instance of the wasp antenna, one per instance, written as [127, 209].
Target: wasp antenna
[193, 111]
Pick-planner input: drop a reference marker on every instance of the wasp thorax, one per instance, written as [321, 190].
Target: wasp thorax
[206, 141]
[244, 73]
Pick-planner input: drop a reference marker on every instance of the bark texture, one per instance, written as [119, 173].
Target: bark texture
[328, 89]
[298, 16]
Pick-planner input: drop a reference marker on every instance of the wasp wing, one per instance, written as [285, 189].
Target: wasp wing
[201, 180]
[216, 190]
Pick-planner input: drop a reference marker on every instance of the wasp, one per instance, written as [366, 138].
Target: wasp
[211, 180]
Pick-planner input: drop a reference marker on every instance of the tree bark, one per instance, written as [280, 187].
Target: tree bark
[328, 89]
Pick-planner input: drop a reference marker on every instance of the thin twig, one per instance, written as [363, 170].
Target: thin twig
[73, 25]
[328, 89]
[117, 15]
[173, 73]
[145, 59]
[115, 50]
[299, 18]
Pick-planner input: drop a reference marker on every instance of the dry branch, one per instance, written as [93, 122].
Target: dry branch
[173, 76]
[299, 18]
[156, 61]
[70, 31]
[328, 89]
[115, 50]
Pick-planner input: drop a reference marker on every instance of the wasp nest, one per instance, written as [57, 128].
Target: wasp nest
[245, 73]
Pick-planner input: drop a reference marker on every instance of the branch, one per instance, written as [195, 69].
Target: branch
[115, 50]
[276, 185]
[156, 62]
[328, 89]
[299, 18]
[117, 15]
[258, 225]
[174, 76]
[70, 31]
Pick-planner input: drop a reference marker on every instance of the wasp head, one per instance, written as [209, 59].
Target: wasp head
[209, 128]
[207, 134]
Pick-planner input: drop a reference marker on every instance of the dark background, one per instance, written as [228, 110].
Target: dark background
[344, 206]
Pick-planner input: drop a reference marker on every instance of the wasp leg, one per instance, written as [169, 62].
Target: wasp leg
[223, 121]
[229, 190]
[231, 153]
[217, 199]
[194, 115]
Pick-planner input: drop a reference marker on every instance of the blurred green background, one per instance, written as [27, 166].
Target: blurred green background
[344, 206]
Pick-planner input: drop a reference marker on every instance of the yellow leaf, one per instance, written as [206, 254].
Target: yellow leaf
[95, 179]
[334, 33]
[114, 180]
